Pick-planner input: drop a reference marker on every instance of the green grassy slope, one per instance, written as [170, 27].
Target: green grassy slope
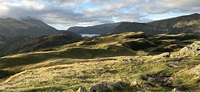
[125, 44]
[89, 62]
[182, 24]
[36, 43]
[61, 75]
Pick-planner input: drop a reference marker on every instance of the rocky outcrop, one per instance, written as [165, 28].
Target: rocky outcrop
[191, 50]
[175, 62]
[105, 87]
[102, 87]
[128, 60]
[161, 78]
[162, 55]
[118, 86]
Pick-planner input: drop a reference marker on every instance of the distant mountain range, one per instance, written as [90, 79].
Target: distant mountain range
[10, 27]
[136, 27]
[35, 57]
[25, 35]
[27, 26]
[97, 29]
[182, 24]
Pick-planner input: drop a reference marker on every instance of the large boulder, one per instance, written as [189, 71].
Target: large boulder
[119, 87]
[191, 50]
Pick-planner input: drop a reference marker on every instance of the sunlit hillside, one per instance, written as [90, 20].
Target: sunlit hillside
[109, 59]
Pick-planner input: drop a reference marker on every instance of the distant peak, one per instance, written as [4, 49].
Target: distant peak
[28, 18]
[196, 14]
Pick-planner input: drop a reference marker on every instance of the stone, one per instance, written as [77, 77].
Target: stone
[173, 64]
[129, 60]
[176, 90]
[102, 87]
[132, 60]
[134, 82]
[82, 89]
[162, 55]
[119, 86]
[191, 50]
[166, 54]
[125, 60]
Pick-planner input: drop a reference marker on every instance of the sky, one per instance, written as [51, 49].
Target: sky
[63, 14]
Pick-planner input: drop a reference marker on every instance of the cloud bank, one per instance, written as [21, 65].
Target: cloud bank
[65, 13]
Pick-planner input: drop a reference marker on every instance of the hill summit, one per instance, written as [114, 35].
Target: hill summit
[27, 26]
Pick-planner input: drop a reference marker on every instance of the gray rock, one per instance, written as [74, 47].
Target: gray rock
[163, 55]
[99, 87]
[173, 64]
[129, 60]
[132, 60]
[105, 87]
[125, 60]
[191, 50]
[176, 90]
[176, 62]
[117, 84]
[119, 87]
[82, 89]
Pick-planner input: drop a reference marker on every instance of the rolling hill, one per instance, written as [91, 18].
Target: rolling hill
[132, 57]
[114, 61]
[22, 44]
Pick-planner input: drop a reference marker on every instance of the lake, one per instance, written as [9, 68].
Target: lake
[89, 35]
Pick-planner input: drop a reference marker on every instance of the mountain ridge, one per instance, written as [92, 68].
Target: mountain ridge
[176, 25]
[96, 29]
[12, 27]
[181, 24]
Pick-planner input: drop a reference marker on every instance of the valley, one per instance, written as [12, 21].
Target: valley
[127, 57]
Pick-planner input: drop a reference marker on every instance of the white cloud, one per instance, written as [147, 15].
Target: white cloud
[32, 5]
[64, 13]
[1, 1]
[4, 8]
[162, 6]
